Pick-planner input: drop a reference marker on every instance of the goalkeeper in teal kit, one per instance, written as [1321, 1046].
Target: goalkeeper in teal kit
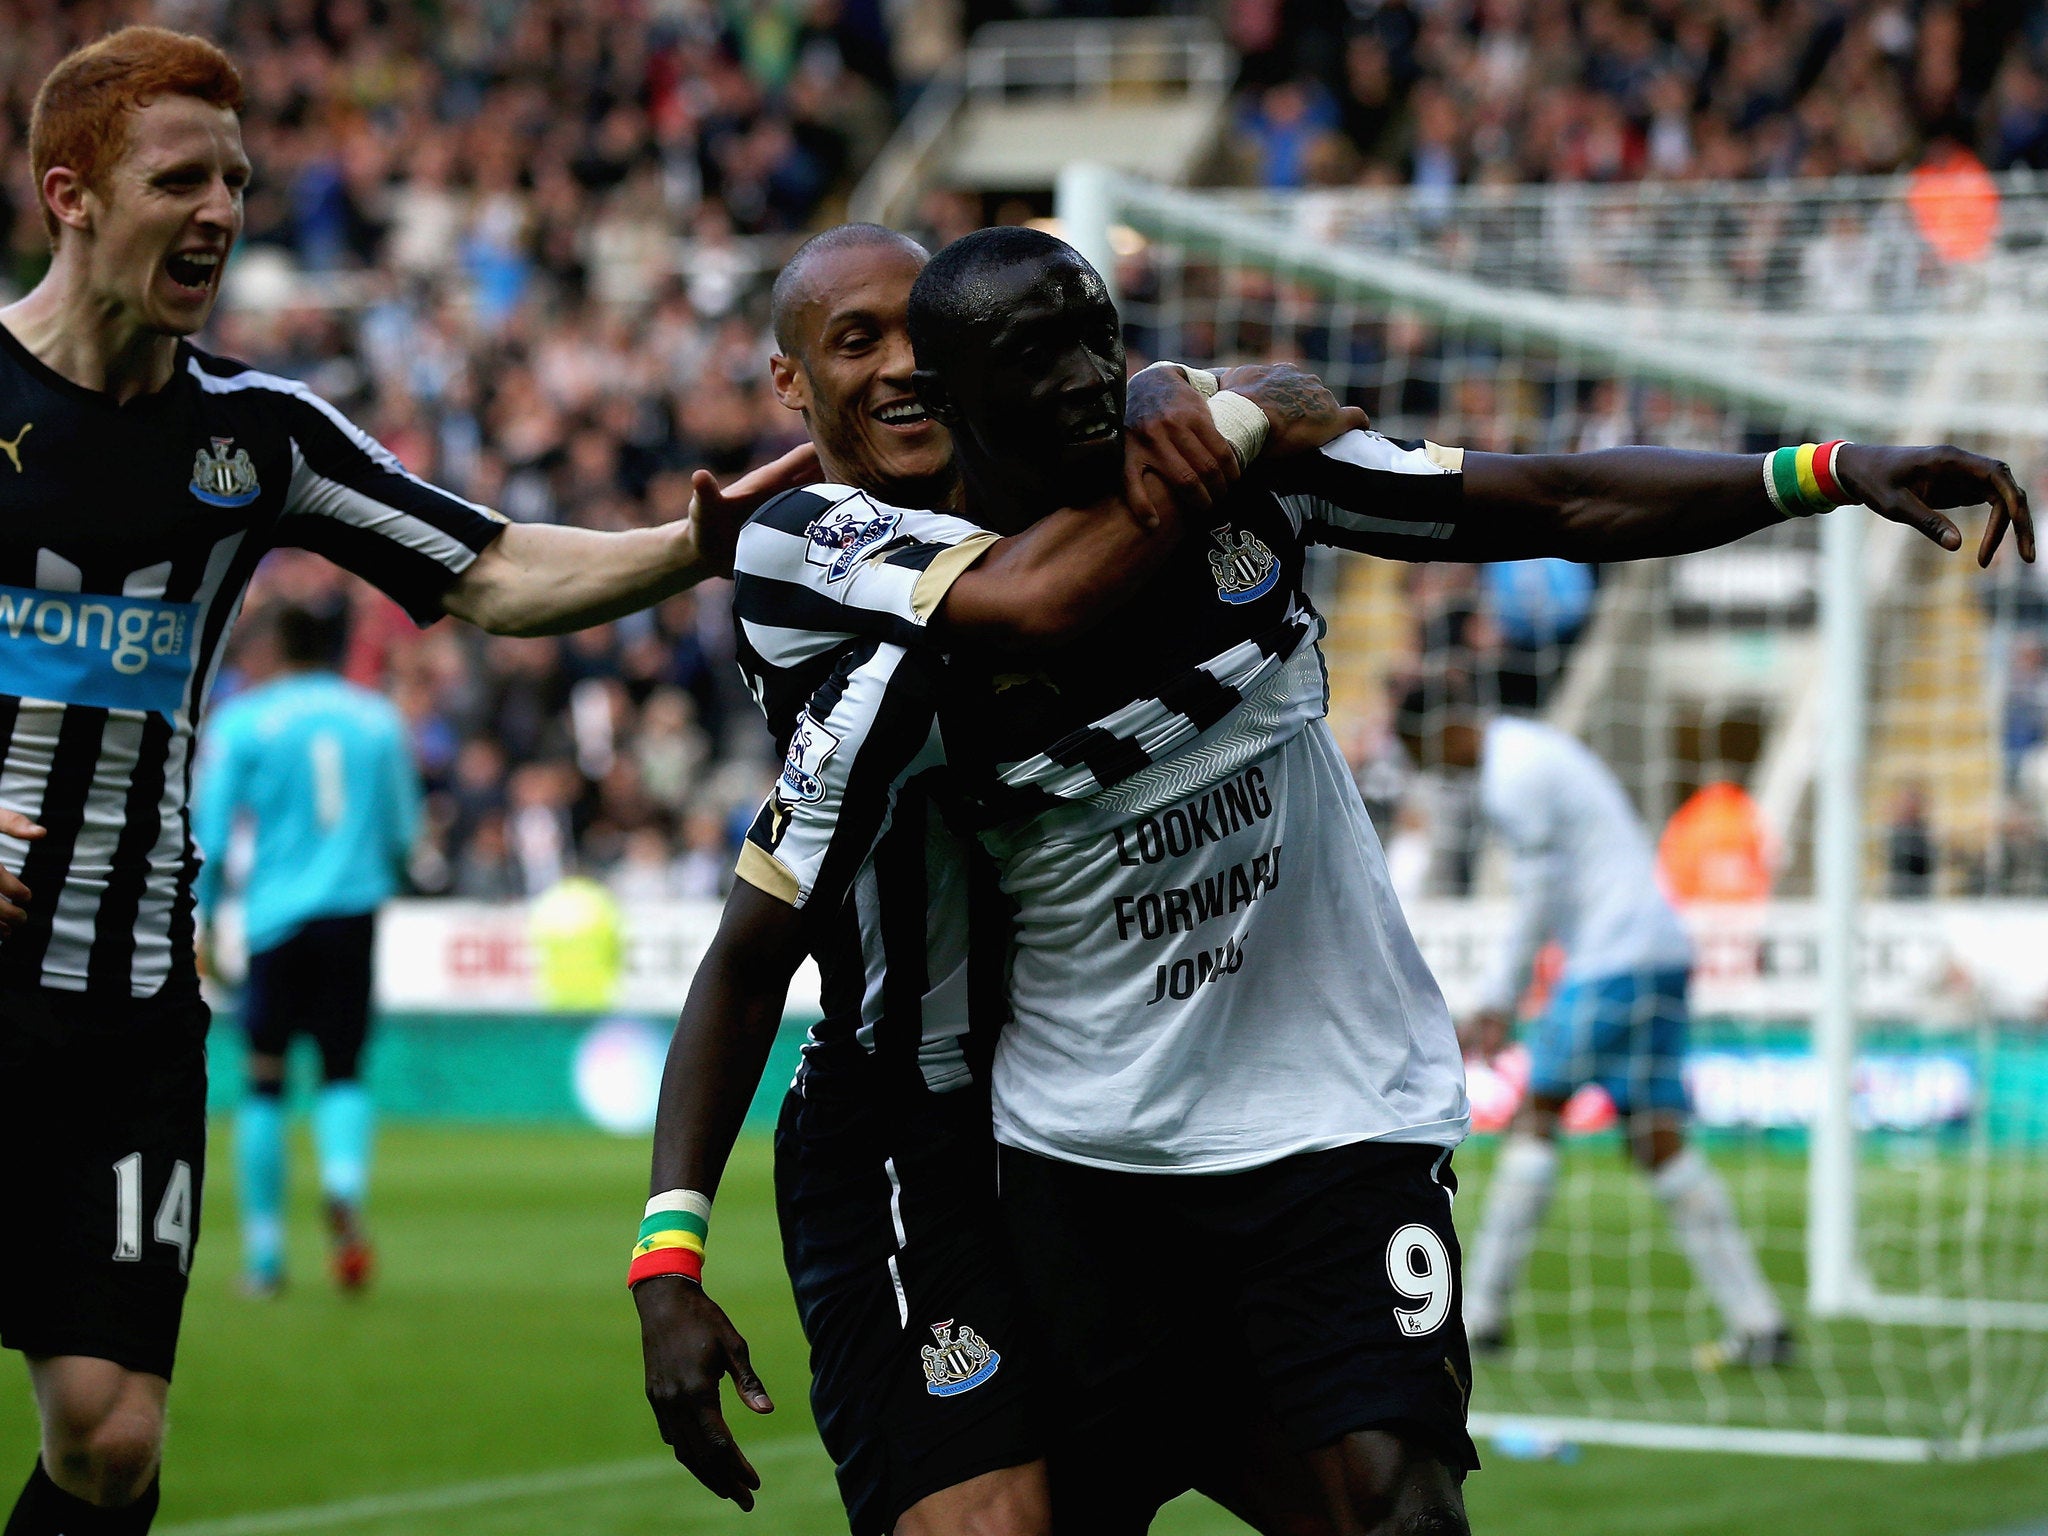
[322, 773]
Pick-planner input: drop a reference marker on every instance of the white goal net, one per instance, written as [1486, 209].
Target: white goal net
[1838, 735]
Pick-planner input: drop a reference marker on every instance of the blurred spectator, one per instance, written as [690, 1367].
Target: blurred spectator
[1284, 125]
[2016, 863]
[538, 829]
[1911, 858]
[2026, 696]
[705, 869]
[646, 870]
[484, 870]
[2020, 116]
[670, 749]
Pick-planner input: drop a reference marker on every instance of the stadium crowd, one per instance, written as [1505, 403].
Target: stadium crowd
[1506, 91]
[527, 246]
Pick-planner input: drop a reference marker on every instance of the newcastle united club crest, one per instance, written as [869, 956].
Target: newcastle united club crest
[221, 479]
[1244, 568]
[961, 1362]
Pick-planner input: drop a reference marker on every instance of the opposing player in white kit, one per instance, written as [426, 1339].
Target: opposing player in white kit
[1584, 876]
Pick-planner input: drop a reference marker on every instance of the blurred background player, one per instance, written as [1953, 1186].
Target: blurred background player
[1583, 873]
[321, 773]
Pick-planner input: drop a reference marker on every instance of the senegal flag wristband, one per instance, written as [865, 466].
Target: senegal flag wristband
[1802, 481]
[672, 1237]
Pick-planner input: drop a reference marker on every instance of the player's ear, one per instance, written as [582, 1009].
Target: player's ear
[933, 395]
[65, 191]
[786, 378]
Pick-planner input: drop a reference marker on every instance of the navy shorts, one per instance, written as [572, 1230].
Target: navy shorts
[1320, 1294]
[898, 1259]
[103, 1131]
[317, 983]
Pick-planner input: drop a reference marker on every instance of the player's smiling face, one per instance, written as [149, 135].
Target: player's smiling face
[167, 214]
[850, 375]
[1039, 387]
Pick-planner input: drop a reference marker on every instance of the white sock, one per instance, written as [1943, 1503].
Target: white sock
[1520, 1193]
[1704, 1219]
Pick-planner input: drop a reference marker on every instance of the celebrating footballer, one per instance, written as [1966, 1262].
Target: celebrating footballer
[1121, 1161]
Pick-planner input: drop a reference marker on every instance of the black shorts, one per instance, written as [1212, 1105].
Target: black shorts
[317, 982]
[103, 1131]
[1320, 1294]
[897, 1256]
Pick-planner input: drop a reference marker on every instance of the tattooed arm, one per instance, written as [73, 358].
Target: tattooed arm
[1301, 412]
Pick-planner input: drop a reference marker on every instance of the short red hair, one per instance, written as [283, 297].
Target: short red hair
[81, 118]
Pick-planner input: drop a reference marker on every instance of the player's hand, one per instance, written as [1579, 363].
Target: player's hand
[718, 513]
[1483, 1034]
[1174, 458]
[689, 1346]
[1910, 485]
[14, 896]
[1301, 412]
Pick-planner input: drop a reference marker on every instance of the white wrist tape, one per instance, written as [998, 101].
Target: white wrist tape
[1237, 417]
[1241, 422]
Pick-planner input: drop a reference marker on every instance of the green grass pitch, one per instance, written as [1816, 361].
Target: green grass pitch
[489, 1386]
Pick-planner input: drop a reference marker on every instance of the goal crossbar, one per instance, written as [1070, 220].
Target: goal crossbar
[1635, 339]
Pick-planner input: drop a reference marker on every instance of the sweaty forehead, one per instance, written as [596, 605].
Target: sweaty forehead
[1031, 291]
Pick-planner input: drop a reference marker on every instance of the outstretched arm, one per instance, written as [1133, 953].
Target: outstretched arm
[539, 579]
[688, 1344]
[1632, 503]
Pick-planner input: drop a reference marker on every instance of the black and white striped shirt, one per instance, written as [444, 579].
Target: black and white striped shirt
[128, 533]
[1197, 709]
[1224, 615]
[863, 831]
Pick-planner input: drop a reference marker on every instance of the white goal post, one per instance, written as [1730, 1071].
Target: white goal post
[1806, 669]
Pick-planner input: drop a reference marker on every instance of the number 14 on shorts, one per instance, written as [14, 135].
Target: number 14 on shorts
[173, 1225]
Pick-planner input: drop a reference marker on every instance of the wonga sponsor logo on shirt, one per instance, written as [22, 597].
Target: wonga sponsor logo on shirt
[96, 649]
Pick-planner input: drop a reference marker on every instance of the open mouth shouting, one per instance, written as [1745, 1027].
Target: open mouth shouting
[194, 272]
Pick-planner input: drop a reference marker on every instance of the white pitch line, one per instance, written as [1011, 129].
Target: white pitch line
[493, 1490]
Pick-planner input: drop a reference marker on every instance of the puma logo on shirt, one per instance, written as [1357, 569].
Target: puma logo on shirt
[13, 449]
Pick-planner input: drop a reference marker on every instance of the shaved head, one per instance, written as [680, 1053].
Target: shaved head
[843, 358]
[796, 286]
[962, 291]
